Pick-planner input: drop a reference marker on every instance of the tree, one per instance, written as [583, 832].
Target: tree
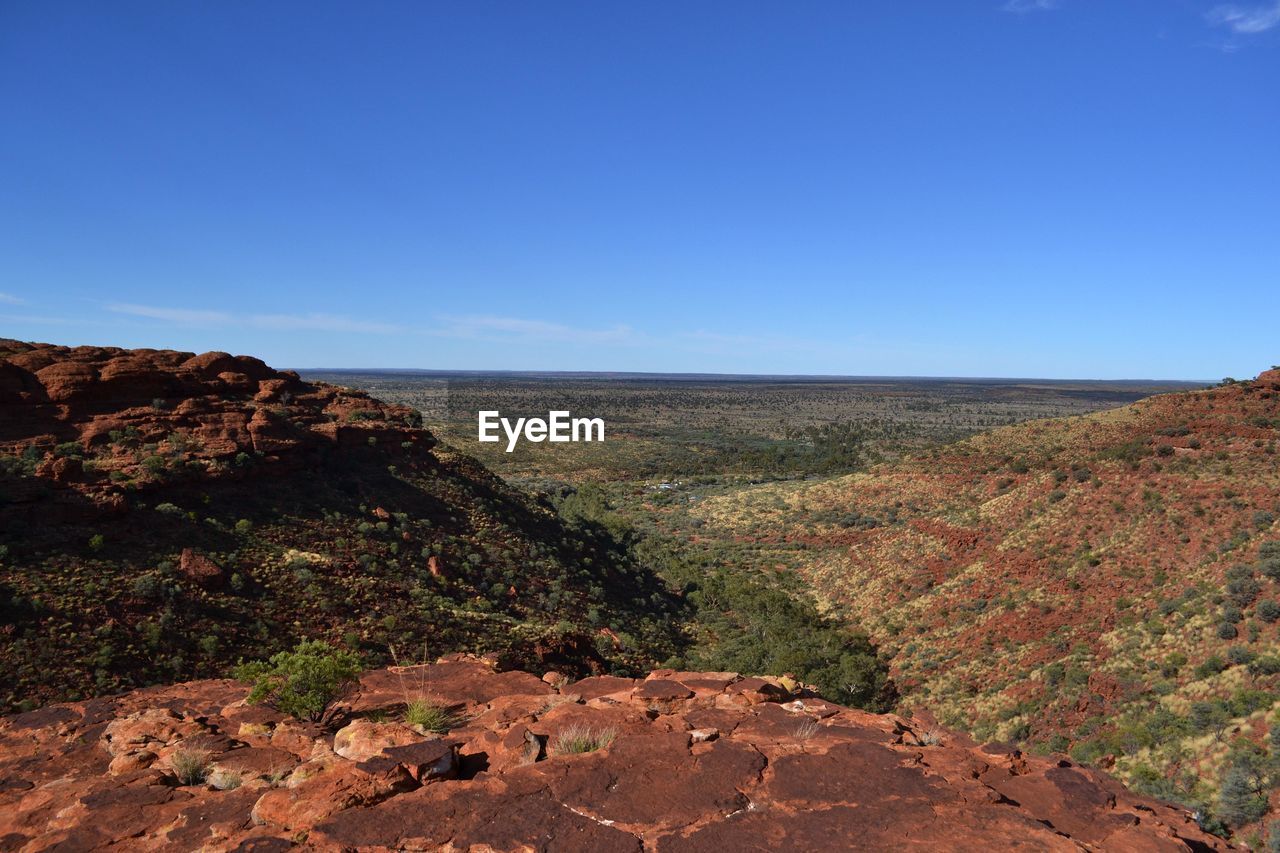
[1242, 799]
[305, 682]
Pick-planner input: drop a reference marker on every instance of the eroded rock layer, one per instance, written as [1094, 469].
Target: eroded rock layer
[690, 762]
[97, 421]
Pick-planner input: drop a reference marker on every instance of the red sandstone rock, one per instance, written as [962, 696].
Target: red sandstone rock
[363, 739]
[201, 570]
[710, 772]
[112, 401]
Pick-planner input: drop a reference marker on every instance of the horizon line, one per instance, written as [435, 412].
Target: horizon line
[691, 375]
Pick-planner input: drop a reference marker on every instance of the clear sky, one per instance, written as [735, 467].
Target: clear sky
[1057, 188]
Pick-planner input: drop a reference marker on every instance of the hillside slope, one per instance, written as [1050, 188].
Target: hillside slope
[677, 762]
[1107, 584]
[163, 514]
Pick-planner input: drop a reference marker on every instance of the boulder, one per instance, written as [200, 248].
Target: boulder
[201, 570]
[363, 738]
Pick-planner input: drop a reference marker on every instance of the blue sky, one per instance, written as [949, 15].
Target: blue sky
[1057, 188]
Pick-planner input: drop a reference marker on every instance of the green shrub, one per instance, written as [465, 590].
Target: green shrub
[1206, 715]
[1212, 665]
[1265, 665]
[1241, 800]
[1243, 591]
[1268, 610]
[148, 585]
[429, 716]
[305, 682]
[1239, 656]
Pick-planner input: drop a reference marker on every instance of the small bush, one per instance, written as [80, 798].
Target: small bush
[148, 585]
[930, 737]
[1243, 591]
[1268, 610]
[807, 729]
[429, 716]
[190, 766]
[581, 738]
[226, 780]
[305, 682]
[1210, 667]
[68, 449]
[1240, 656]
[1265, 665]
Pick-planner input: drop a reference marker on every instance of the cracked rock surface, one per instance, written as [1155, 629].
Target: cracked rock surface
[691, 762]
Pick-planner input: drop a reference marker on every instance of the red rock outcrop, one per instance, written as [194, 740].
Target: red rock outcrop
[97, 421]
[690, 761]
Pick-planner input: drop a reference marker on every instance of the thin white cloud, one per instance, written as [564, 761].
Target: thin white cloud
[498, 329]
[719, 342]
[181, 316]
[1021, 7]
[516, 328]
[321, 323]
[274, 322]
[39, 320]
[10, 299]
[1246, 20]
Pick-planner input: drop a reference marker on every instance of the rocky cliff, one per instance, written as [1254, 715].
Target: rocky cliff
[684, 761]
[100, 421]
[163, 514]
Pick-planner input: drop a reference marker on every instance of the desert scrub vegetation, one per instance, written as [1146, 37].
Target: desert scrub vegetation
[429, 716]
[806, 730]
[748, 622]
[451, 557]
[579, 738]
[305, 683]
[190, 765]
[226, 780]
